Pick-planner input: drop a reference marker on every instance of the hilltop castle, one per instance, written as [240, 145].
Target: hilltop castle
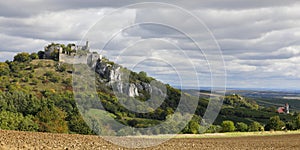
[72, 54]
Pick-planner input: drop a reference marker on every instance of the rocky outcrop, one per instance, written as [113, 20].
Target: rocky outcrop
[112, 75]
[132, 90]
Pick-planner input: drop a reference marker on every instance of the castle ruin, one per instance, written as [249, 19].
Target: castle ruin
[72, 54]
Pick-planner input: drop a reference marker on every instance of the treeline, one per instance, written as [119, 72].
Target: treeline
[273, 124]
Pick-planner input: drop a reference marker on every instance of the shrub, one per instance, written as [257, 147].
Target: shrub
[61, 68]
[214, 129]
[49, 74]
[4, 69]
[22, 57]
[256, 126]
[275, 124]
[242, 127]
[41, 54]
[52, 120]
[16, 121]
[227, 126]
[297, 121]
[54, 79]
[34, 56]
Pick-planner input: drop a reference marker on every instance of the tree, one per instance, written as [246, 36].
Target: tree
[16, 121]
[78, 125]
[52, 120]
[41, 54]
[214, 129]
[4, 69]
[34, 56]
[275, 124]
[22, 57]
[242, 127]
[228, 126]
[297, 121]
[255, 126]
[193, 126]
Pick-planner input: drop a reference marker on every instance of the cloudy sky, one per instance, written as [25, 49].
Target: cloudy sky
[258, 40]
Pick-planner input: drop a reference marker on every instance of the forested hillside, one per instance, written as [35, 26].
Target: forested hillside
[37, 95]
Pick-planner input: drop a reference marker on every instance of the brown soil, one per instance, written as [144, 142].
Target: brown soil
[33, 140]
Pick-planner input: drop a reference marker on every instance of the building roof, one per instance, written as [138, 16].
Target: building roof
[281, 110]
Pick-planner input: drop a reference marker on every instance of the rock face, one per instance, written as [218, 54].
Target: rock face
[112, 75]
[132, 90]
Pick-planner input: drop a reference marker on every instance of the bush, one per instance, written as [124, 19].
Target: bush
[55, 79]
[297, 121]
[242, 127]
[67, 82]
[34, 56]
[61, 68]
[16, 121]
[4, 69]
[214, 129]
[41, 54]
[255, 126]
[52, 120]
[22, 57]
[275, 124]
[227, 126]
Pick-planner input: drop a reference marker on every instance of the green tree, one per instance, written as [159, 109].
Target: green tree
[16, 121]
[297, 121]
[52, 120]
[41, 54]
[275, 124]
[255, 126]
[4, 69]
[193, 126]
[22, 57]
[214, 129]
[78, 125]
[228, 126]
[34, 56]
[242, 127]
[291, 125]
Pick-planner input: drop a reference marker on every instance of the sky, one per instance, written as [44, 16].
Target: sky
[256, 43]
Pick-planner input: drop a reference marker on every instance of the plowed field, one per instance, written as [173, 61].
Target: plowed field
[32, 140]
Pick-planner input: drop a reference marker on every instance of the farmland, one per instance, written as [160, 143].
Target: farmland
[37, 140]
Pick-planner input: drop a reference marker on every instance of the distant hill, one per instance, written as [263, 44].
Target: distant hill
[272, 98]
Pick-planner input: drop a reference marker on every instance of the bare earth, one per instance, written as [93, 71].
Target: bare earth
[32, 140]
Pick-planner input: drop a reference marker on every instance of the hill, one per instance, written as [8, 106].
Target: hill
[38, 93]
[272, 98]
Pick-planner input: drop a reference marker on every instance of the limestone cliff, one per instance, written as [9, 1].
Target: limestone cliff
[119, 79]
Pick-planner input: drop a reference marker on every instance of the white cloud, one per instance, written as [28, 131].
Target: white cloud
[259, 39]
